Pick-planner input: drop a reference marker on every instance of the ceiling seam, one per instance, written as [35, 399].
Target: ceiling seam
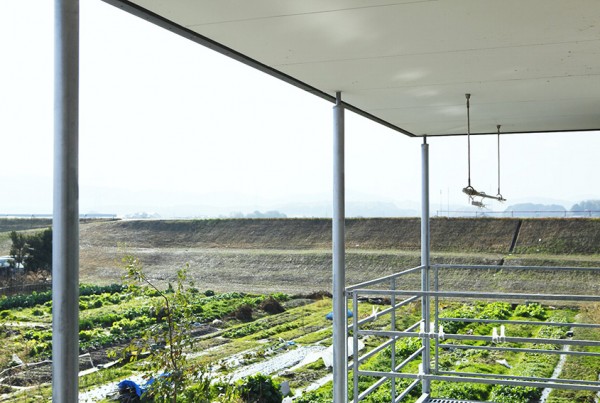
[452, 51]
[309, 13]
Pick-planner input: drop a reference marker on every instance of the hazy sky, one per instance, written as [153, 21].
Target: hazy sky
[165, 119]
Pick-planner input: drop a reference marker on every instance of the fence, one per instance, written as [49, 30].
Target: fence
[519, 213]
[26, 288]
[432, 334]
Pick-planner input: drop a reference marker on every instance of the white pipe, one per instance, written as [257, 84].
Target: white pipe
[65, 251]
[425, 261]
[340, 344]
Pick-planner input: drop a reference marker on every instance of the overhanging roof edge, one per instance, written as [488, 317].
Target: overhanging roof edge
[169, 25]
[503, 133]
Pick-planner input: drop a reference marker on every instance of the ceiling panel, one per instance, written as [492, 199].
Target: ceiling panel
[530, 65]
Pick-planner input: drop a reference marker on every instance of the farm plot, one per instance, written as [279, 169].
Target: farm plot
[280, 336]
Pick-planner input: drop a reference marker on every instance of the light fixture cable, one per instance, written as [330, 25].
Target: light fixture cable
[499, 194]
[468, 96]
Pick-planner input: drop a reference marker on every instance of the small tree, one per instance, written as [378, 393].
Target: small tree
[39, 256]
[18, 249]
[173, 333]
[33, 251]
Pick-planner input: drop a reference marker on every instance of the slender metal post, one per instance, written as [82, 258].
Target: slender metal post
[393, 326]
[340, 307]
[65, 251]
[436, 287]
[355, 355]
[425, 258]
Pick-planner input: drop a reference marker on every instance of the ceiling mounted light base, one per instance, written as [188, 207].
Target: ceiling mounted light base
[472, 193]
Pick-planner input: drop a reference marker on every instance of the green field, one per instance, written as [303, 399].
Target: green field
[111, 317]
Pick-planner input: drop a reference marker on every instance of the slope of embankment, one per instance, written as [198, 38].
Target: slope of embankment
[473, 235]
[488, 235]
[294, 255]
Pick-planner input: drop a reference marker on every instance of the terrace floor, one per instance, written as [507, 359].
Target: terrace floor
[426, 399]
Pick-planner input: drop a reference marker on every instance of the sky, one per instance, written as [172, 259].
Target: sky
[170, 126]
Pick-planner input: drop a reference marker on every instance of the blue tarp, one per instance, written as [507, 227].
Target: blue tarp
[329, 316]
[139, 389]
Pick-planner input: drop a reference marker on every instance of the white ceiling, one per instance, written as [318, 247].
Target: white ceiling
[530, 65]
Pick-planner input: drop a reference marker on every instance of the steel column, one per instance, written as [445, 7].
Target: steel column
[340, 307]
[425, 259]
[393, 326]
[65, 252]
[355, 357]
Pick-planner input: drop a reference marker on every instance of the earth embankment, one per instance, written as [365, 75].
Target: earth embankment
[447, 234]
[294, 255]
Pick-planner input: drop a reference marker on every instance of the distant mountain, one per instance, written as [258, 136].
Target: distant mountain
[353, 209]
[586, 208]
[536, 210]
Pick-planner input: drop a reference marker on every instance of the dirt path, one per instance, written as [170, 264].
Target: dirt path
[556, 373]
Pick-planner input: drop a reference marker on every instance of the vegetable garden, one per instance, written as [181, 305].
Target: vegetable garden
[233, 331]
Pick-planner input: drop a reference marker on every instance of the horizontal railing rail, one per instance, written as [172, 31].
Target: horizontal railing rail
[381, 280]
[483, 295]
[502, 267]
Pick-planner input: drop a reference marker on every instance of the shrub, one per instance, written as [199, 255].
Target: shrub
[271, 306]
[259, 389]
[243, 313]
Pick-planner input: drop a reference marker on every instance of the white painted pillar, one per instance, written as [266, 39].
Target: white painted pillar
[340, 320]
[425, 260]
[65, 251]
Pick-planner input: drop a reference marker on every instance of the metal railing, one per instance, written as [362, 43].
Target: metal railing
[441, 341]
[519, 213]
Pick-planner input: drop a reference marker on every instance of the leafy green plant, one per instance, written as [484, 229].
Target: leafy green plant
[531, 310]
[259, 389]
[461, 391]
[44, 298]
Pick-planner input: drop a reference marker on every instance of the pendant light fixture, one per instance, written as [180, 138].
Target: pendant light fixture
[470, 190]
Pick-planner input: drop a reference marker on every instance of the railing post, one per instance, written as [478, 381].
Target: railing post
[340, 306]
[393, 328]
[355, 355]
[65, 239]
[425, 243]
[436, 319]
